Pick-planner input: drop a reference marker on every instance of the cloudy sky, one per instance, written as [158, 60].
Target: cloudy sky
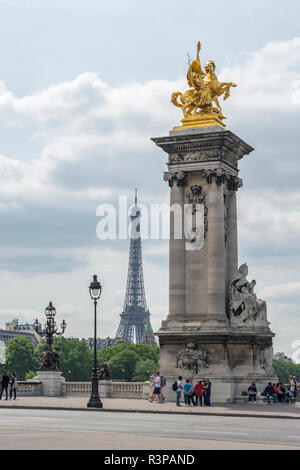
[84, 84]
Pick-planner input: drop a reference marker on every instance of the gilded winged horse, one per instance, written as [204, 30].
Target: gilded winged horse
[204, 89]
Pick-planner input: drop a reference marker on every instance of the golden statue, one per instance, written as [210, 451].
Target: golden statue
[197, 102]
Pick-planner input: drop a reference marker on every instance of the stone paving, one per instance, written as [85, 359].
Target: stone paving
[137, 405]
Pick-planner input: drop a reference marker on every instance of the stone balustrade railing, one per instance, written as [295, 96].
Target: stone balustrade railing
[109, 389]
[32, 388]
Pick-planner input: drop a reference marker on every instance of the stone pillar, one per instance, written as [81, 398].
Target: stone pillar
[216, 251]
[232, 237]
[177, 306]
[200, 337]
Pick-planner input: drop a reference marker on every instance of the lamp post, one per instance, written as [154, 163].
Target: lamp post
[95, 292]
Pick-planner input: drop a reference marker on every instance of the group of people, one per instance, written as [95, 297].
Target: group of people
[277, 392]
[195, 392]
[7, 380]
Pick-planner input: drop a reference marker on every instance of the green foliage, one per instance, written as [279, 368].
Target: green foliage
[124, 360]
[144, 369]
[284, 369]
[77, 359]
[29, 375]
[20, 357]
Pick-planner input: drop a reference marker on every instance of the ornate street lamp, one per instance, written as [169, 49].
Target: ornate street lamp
[50, 359]
[50, 328]
[95, 292]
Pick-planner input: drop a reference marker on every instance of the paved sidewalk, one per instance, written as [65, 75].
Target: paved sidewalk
[136, 405]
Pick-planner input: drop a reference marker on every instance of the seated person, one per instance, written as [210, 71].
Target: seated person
[252, 391]
[278, 392]
[270, 392]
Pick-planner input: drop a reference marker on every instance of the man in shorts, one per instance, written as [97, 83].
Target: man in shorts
[156, 387]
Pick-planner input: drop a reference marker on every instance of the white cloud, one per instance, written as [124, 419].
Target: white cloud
[268, 78]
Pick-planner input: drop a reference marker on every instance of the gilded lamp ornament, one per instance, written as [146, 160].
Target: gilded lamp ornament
[200, 103]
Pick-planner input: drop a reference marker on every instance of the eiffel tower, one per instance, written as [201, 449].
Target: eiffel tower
[135, 312]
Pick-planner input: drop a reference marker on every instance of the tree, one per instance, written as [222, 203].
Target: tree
[20, 357]
[123, 364]
[29, 375]
[77, 359]
[284, 369]
[124, 358]
[144, 369]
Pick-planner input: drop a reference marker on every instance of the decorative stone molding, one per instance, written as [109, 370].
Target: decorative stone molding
[195, 196]
[265, 357]
[178, 177]
[195, 228]
[222, 176]
[219, 145]
[204, 156]
[192, 358]
[234, 183]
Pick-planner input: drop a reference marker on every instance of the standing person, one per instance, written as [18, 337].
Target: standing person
[152, 386]
[292, 388]
[207, 395]
[163, 383]
[13, 385]
[179, 390]
[4, 385]
[199, 392]
[188, 390]
[252, 391]
[156, 387]
[296, 389]
[193, 398]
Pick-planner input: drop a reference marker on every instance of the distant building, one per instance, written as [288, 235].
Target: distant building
[103, 343]
[13, 329]
[280, 356]
[148, 336]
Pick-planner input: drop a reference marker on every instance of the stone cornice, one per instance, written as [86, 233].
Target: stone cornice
[263, 340]
[201, 146]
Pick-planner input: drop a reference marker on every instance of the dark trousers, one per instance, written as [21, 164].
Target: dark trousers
[11, 392]
[187, 399]
[6, 392]
[252, 395]
[198, 399]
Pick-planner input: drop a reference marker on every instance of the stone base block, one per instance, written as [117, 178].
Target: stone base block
[53, 384]
[223, 389]
[105, 388]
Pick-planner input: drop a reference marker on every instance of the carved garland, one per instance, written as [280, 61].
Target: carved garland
[196, 196]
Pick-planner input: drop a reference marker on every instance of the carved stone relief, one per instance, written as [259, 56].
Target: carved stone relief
[195, 218]
[192, 358]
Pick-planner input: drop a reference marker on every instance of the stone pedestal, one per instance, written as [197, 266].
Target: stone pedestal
[53, 383]
[105, 388]
[203, 336]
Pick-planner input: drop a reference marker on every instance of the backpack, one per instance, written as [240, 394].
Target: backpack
[163, 381]
[174, 387]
